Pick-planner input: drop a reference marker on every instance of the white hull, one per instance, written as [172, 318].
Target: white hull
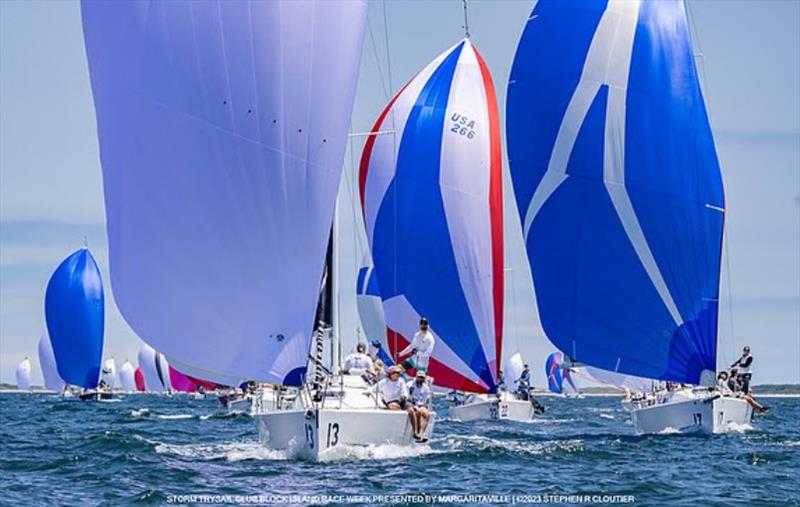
[351, 417]
[240, 406]
[489, 406]
[686, 411]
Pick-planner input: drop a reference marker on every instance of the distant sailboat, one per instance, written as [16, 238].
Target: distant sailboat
[558, 374]
[74, 311]
[109, 373]
[23, 375]
[620, 197]
[127, 377]
[47, 362]
[138, 378]
[155, 369]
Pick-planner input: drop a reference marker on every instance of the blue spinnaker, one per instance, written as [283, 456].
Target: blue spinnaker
[74, 307]
[618, 186]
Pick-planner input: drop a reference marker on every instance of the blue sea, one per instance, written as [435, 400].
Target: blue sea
[152, 450]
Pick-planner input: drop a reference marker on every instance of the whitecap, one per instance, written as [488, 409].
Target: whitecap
[231, 451]
[606, 416]
[669, 430]
[140, 412]
[175, 416]
[733, 427]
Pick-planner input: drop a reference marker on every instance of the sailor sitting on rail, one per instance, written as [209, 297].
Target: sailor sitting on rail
[420, 398]
[393, 389]
[358, 363]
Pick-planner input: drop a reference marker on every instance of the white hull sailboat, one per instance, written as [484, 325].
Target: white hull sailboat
[621, 201]
[504, 406]
[348, 414]
[688, 410]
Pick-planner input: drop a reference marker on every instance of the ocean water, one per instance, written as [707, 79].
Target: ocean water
[150, 450]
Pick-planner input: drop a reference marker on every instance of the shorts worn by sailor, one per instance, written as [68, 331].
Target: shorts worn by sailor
[402, 403]
[418, 362]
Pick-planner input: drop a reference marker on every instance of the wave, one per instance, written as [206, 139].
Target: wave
[733, 427]
[142, 412]
[229, 451]
[176, 416]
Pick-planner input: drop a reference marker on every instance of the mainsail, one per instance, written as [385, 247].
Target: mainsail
[74, 306]
[47, 362]
[370, 313]
[432, 202]
[222, 128]
[618, 186]
[23, 375]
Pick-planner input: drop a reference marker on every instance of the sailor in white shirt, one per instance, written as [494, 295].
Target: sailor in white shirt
[393, 389]
[420, 396]
[421, 346]
[358, 363]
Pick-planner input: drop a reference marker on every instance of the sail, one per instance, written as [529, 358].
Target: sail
[23, 375]
[618, 186]
[127, 377]
[513, 369]
[47, 362]
[370, 313]
[222, 128]
[181, 382]
[74, 306]
[432, 200]
[109, 372]
[630, 382]
[155, 369]
[555, 380]
[138, 377]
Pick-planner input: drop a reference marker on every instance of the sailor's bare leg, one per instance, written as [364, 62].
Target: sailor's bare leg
[424, 416]
[412, 417]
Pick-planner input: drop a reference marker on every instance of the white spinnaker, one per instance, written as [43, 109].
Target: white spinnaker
[109, 372]
[222, 128]
[620, 380]
[513, 369]
[147, 363]
[23, 375]
[47, 361]
[127, 377]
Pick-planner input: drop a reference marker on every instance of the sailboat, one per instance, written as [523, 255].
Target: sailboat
[432, 199]
[127, 377]
[47, 362]
[138, 378]
[621, 200]
[558, 374]
[108, 374]
[23, 375]
[218, 228]
[155, 370]
[74, 306]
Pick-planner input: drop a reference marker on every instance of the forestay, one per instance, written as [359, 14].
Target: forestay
[618, 186]
[432, 202]
[222, 128]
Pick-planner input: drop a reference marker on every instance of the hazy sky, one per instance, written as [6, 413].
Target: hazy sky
[51, 183]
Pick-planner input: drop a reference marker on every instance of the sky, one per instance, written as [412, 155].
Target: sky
[748, 52]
